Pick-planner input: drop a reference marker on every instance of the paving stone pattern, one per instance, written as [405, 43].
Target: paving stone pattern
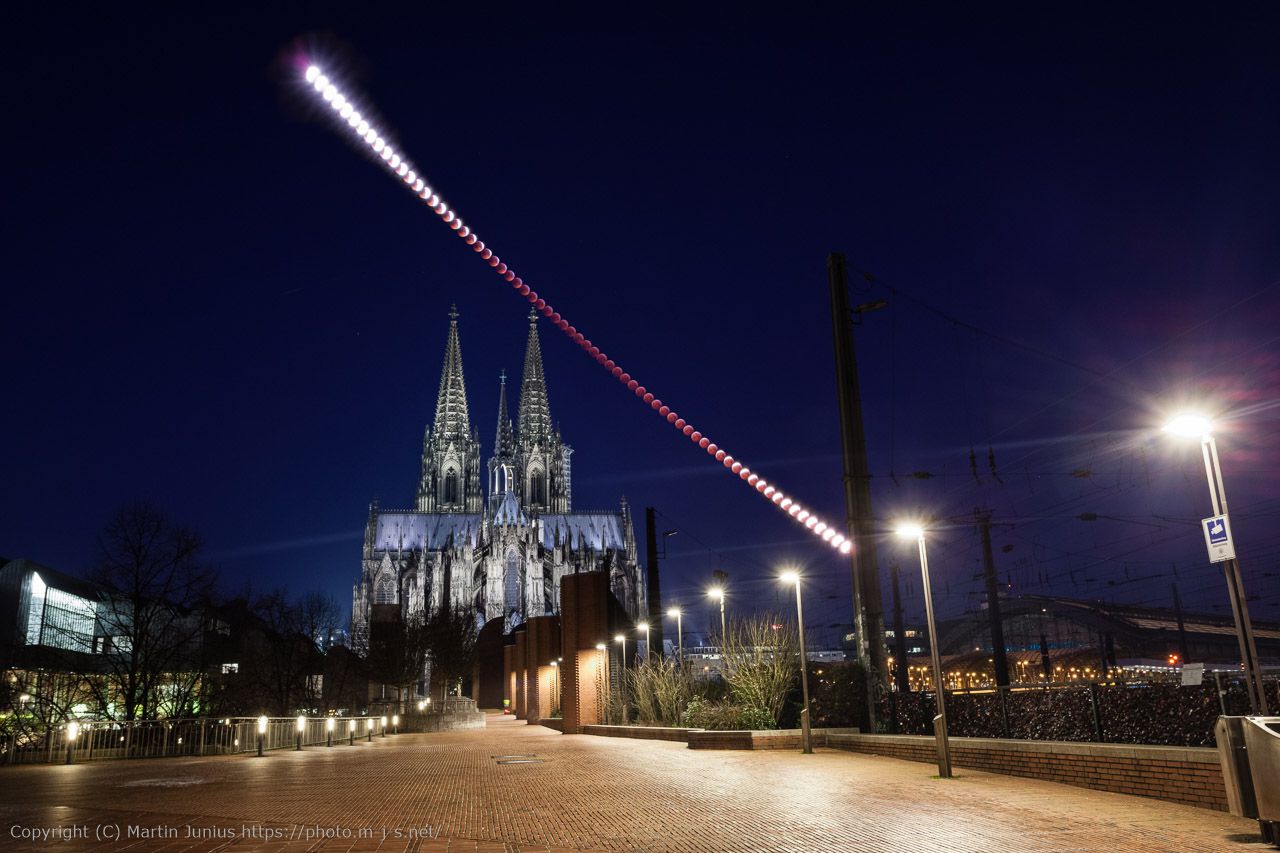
[585, 793]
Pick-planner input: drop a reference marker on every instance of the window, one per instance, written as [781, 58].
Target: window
[451, 487]
[230, 668]
[538, 489]
[385, 591]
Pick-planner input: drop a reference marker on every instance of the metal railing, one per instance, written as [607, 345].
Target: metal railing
[93, 741]
[1160, 713]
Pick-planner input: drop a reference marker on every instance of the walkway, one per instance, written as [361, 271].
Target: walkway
[416, 792]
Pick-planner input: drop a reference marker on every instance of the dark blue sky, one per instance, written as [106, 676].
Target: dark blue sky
[214, 303]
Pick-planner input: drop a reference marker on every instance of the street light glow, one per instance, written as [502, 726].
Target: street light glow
[262, 725]
[673, 612]
[642, 626]
[600, 647]
[1189, 425]
[716, 592]
[910, 531]
[790, 577]
[619, 638]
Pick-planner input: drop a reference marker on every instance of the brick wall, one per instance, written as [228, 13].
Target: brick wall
[1189, 775]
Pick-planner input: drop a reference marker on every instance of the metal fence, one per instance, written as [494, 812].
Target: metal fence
[1160, 714]
[93, 741]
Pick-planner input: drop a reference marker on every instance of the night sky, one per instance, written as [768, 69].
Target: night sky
[213, 302]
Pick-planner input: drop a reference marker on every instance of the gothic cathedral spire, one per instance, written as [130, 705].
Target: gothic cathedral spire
[534, 418]
[542, 459]
[450, 480]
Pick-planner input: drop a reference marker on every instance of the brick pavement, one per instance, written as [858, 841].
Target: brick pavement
[584, 792]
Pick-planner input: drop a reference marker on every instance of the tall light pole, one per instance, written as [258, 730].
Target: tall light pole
[792, 577]
[648, 651]
[915, 531]
[718, 593]
[604, 678]
[622, 673]
[675, 613]
[1193, 426]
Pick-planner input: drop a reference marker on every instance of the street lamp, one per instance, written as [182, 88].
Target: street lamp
[262, 732]
[718, 593]
[915, 531]
[675, 613]
[793, 577]
[1192, 425]
[328, 731]
[644, 626]
[301, 727]
[622, 674]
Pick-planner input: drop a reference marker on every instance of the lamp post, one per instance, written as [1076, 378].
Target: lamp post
[604, 676]
[644, 626]
[555, 683]
[369, 731]
[262, 733]
[622, 674]
[351, 733]
[384, 726]
[328, 731]
[675, 613]
[1192, 426]
[915, 531]
[395, 724]
[793, 577]
[301, 727]
[718, 593]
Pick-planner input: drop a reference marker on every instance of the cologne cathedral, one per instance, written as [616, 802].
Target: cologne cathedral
[500, 550]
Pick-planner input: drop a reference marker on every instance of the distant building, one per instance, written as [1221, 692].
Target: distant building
[499, 551]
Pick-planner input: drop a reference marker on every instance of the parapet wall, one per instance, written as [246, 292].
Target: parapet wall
[1189, 775]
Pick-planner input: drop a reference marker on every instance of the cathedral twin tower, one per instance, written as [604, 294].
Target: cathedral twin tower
[531, 462]
[497, 549]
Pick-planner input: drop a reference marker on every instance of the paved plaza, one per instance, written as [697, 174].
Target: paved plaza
[516, 787]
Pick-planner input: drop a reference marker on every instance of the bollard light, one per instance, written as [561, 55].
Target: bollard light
[262, 733]
[369, 731]
[302, 727]
[351, 733]
[422, 706]
[73, 732]
[395, 724]
[328, 731]
[384, 726]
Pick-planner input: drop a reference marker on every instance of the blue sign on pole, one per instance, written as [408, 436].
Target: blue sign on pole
[1217, 538]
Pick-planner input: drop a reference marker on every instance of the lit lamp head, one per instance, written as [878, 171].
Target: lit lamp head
[329, 724]
[642, 626]
[302, 723]
[371, 724]
[73, 731]
[352, 725]
[384, 722]
[790, 577]
[716, 592]
[673, 612]
[600, 647]
[553, 663]
[422, 706]
[262, 724]
[395, 719]
[620, 638]
[1188, 425]
[910, 531]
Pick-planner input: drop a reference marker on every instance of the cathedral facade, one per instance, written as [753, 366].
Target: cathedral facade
[495, 539]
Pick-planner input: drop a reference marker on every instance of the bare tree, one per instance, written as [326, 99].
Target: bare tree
[156, 590]
[762, 662]
[449, 642]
